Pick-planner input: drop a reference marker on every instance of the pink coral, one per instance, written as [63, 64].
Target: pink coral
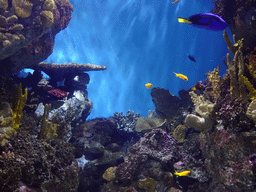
[58, 93]
[222, 138]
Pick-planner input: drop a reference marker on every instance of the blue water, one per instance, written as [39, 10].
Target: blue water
[139, 42]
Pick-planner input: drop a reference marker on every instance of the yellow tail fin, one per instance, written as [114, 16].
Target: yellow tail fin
[182, 20]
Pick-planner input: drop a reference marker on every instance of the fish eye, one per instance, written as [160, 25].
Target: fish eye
[250, 17]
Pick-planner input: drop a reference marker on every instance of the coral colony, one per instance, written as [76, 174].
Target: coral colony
[203, 140]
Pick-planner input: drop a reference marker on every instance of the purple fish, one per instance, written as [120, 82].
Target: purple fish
[207, 21]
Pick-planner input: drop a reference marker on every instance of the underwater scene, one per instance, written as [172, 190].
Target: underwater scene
[127, 96]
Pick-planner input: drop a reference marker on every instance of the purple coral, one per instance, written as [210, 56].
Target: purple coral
[128, 171]
[231, 112]
[222, 138]
[159, 145]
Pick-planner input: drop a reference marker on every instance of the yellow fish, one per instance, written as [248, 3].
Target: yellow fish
[183, 173]
[148, 85]
[184, 77]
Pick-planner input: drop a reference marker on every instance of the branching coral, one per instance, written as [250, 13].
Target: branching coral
[235, 68]
[233, 48]
[48, 129]
[18, 103]
[249, 86]
[215, 80]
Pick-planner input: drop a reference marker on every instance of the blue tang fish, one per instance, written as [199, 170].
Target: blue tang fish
[207, 21]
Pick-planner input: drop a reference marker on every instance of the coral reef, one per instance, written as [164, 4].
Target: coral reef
[35, 165]
[251, 111]
[149, 164]
[215, 80]
[231, 113]
[249, 86]
[203, 119]
[166, 103]
[210, 133]
[58, 93]
[179, 133]
[150, 145]
[126, 122]
[58, 72]
[236, 69]
[145, 124]
[149, 184]
[48, 129]
[109, 174]
[171, 109]
[6, 129]
[25, 31]
[10, 119]
[68, 114]
[18, 103]
[239, 16]
[93, 138]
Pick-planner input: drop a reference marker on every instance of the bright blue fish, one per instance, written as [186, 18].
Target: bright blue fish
[207, 21]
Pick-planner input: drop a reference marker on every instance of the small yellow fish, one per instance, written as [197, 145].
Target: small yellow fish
[184, 77]
[148, 85]
[183, 173]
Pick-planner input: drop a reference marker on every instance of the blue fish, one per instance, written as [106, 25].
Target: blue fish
[207, 21]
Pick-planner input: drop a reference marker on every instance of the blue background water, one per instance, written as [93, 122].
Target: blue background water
[139, 42]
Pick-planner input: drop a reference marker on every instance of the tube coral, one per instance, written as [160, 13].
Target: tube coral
[48, 129]
[18, 103]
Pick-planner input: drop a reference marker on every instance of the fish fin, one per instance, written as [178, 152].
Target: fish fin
[182, 20]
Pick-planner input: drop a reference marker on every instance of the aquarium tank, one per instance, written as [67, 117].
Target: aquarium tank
[139, 42]
[127, 95]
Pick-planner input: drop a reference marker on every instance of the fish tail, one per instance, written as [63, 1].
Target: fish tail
[182, 20]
